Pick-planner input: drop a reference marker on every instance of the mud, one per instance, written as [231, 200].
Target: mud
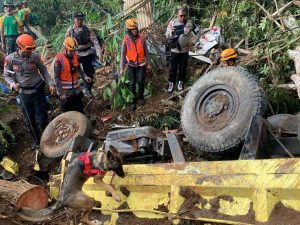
[131, 219]
[218, 121]
[217, 180]
[124, 205]
[63, 131]
[281, 215]
[189, 209]
[162, 208]
[125, 191]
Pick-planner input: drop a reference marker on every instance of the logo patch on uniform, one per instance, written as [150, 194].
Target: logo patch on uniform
[16, 68]
[32, 66]
[6, 62]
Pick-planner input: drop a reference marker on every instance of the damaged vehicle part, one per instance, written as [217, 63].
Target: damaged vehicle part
[142, 143]
[57, 136]
[218, 109]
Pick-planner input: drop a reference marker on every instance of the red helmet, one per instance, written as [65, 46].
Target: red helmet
[25, 42]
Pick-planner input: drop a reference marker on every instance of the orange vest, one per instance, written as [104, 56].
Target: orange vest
[67, 79]
[135, 53]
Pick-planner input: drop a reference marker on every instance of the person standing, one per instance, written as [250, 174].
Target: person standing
[26, 13]
[86, 39]
[11, 27]
[18, 11]
[66, 74]
[177, 29]
[135, 55]
[26, 74]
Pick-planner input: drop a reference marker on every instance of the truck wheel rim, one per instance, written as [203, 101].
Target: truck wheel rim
[216, 107]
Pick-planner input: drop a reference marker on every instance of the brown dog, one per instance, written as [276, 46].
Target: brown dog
[71, 195]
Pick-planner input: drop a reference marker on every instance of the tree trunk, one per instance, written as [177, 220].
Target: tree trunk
[24, 194]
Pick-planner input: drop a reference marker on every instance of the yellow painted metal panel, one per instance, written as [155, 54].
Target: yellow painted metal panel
[231, 192]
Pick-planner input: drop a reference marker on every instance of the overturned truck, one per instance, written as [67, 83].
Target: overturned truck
[222, 113]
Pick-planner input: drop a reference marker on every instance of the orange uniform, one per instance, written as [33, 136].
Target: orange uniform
[69, 77]
[135, 53]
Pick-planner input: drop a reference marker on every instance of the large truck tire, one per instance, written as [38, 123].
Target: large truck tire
[217, 111]
[57, 137]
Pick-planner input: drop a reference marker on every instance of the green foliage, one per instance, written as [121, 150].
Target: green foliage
[237, 18]
[242, 18]
[163, 10]
[6, 137]
[282, 102]
[171, 119]
[118, 93]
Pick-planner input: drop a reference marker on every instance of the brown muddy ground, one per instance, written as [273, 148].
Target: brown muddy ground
[21, 150]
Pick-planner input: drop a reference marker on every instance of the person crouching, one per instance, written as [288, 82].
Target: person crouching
[66, 74]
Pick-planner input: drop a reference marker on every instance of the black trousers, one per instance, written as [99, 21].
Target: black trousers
[73, 103]
[34, 108]
[178, 60]
[88, 68]
[137, 75]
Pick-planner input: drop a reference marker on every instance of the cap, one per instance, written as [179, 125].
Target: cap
[78, 15]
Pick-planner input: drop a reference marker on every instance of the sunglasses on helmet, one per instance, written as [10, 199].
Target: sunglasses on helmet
[31, 48]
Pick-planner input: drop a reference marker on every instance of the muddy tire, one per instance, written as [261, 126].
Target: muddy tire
[57, 136]
[218, 109]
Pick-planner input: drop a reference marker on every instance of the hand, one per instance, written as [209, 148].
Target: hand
[3, 46]
[52, 89]
[149, 67]
[16, 87]
[88, 79]
[173, 31]
[63, 98]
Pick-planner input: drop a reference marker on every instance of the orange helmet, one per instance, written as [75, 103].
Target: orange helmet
[71, 43]
[131, 24]
[228, 53]
[25, 42]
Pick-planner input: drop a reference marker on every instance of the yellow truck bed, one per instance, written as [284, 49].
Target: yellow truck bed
[227, 192]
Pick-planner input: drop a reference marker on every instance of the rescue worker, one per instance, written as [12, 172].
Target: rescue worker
[86, 39]
[26, 13]
[135, 55]
[179, 54]
[11, 26]
[66, 73]
[26, 18]
[22, 71]
[19, 10]
[228, 57]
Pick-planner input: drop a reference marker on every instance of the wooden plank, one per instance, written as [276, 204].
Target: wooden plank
[144, 11]
[175, 148]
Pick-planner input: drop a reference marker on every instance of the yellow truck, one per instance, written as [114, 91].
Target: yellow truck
[259, 183]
